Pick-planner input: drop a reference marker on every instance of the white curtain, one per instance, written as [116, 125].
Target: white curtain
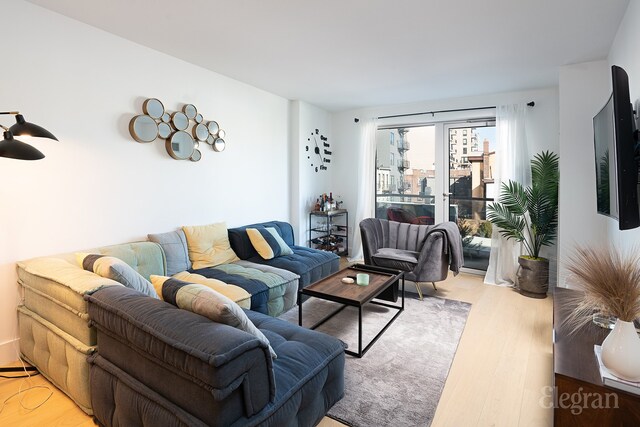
[513, 162]
[366, 183]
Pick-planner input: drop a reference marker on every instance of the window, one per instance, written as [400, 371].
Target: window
[464, 141]
[392, 159]
[464, 132]
[391, 138]
[464, 150]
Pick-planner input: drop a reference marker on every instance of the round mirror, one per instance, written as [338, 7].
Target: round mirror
[196, 156]
[210, 139]
[164, 130]
[180, 146]
[153, 107]
[221, 133]
[179, 120]
[199, 118]
[143, 128]
[190, 111]
[166, 118]
[218, 144]
[213, 127]
[200, 132]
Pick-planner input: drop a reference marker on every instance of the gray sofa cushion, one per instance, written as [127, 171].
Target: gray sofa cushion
[174, 244]
[398, 259]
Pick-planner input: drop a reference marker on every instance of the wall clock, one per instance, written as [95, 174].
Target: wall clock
[318, 152]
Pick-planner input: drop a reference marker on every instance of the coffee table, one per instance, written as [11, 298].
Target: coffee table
[332, 288]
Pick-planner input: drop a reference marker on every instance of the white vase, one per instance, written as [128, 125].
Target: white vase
[621, 351]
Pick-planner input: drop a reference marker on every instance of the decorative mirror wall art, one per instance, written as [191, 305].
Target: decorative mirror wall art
[183, 131]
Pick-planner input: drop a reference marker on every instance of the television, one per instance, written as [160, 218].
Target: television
[616, 155]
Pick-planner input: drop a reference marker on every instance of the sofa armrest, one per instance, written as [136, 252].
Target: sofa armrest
[181, 355]
[372, 236]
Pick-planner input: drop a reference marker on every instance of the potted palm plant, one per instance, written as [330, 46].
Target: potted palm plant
[530, 215]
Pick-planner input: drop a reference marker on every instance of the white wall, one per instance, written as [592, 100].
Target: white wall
[98, 186]
[583, 92]
[307, 183]
[542, 129]
[625, 53]
[584, 89]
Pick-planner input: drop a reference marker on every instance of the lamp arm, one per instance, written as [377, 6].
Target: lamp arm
[4, 127]
[9, 112]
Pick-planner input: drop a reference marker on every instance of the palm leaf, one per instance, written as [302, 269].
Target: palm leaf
[530, 215]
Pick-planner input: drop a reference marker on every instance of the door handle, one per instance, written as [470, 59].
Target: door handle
[447, 194]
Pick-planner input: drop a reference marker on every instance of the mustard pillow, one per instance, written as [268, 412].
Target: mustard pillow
[233, 292]
[209, 245]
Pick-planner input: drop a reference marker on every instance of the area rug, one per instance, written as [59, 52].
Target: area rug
[400, 379]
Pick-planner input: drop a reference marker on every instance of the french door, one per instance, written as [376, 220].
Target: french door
[430, 173]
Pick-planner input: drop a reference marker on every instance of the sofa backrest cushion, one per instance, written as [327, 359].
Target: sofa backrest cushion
[146, 258]
[241, 244]
[174, 245]
[209, 245]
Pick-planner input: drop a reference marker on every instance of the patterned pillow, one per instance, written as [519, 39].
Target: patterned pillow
[268, 243]
[209, 245]
[233, 292]
[116, 269]
[206, 302]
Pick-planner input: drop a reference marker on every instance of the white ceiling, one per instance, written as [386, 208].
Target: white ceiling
[341, 54]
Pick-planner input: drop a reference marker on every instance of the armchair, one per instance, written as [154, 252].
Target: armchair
[424, 252]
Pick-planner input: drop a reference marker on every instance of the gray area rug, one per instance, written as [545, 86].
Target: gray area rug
[398, 382]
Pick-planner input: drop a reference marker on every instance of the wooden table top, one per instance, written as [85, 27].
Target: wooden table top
[334, 289]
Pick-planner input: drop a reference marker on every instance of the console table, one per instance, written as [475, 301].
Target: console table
[577, 376]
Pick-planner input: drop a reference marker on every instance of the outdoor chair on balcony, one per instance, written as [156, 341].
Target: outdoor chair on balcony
[424, 252]
[403, 215]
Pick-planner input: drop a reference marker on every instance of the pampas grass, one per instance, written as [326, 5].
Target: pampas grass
[610, 281]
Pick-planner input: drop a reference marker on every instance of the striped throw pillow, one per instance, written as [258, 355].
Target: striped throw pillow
[268, 243]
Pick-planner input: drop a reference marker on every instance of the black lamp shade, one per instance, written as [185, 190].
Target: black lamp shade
[24, 128]
[14, 149]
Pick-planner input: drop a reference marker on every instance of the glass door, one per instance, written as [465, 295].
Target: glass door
[470, 156]
[406, 177]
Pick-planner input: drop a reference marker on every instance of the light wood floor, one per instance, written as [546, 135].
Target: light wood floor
[503, 362]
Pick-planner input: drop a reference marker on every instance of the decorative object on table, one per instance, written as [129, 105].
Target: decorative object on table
[183, 131]
[530, 216]
[15, 149]
[611, 284]
[362, 279]
[318, 151]
[613, 381]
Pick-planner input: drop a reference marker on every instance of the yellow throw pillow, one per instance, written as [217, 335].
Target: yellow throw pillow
[233, 292]
[209, 245]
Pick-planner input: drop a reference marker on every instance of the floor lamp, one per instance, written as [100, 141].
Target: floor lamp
[14, 149]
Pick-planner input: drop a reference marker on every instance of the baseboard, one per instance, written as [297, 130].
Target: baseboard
[9, 351]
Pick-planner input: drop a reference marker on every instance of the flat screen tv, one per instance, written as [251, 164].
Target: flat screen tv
[616, 155]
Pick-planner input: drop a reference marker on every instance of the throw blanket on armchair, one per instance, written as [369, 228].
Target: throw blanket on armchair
[452, 244]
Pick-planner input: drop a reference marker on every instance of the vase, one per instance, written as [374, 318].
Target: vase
[621, 351]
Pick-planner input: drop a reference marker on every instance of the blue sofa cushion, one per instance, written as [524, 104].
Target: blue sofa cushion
[310, 264]
[154, 358]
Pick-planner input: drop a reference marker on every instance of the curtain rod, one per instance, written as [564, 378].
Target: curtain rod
[530, 104]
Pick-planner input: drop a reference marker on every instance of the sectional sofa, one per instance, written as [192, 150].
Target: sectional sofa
[57, 333]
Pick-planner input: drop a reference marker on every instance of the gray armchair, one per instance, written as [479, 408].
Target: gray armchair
[424, 252]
